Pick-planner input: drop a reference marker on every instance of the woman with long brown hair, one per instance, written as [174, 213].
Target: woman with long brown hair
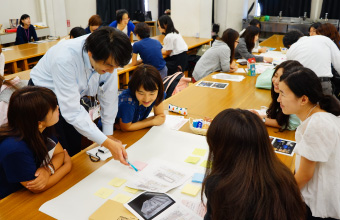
[246, 180]
[330, 31]
[29, 157]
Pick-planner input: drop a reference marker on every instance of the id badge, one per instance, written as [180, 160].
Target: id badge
[94, 112]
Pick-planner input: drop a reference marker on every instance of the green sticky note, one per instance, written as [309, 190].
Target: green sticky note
[117, 182]
[191, 190]
[103, 192]
[121, 198]
[130, 190]
[199, 152]
[193, 160]
[205, 164]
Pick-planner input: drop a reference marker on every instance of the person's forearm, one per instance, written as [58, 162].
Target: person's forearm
[58, 160]
[272, 123]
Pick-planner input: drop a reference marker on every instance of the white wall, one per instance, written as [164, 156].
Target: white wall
[79, 12]
[153, 7]
[192, 17]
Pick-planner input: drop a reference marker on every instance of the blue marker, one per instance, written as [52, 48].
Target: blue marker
[132, 166]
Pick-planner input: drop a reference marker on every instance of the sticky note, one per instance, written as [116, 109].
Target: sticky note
[193, 160]
[191, 190]
[205, 164]
[121, 198]
[104, 192]
[198, 178]
[199, 152]
[139, 165]
[117, 182]
[130, 190]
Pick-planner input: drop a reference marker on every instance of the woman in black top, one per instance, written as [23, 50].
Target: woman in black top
[25, 31]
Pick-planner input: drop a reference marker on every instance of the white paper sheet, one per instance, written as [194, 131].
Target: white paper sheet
[240, 70]
[175, 122]
[276, 55]
[230, 77]
[241, 60]
[79, 202]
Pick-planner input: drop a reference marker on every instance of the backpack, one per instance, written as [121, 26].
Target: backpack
[175, 83]
[139, 16]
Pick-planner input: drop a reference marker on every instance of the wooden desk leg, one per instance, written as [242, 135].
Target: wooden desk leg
[127, 77]
[23, 64]
[14, 67]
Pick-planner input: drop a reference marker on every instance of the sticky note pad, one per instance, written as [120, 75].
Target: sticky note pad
[121, 198]
[130, 190]
[193, 160]
[199, 152]
[198, 178]
[139, 165]
[205, 164]
[191, 190]
[104, 192]
[117, 182]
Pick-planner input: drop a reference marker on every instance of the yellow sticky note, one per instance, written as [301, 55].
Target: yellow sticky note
[104, 193]
[193, 160]
[121, 198]
[191, 190]
[205, 164]
[199, 152]
[130, 190]
[117, 182]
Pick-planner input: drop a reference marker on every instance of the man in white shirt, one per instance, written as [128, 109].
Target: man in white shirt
[317, 53]
[83, 67]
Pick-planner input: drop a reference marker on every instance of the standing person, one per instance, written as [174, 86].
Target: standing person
[123, 22]
[29, 157]
[173, 45]
[318, 53]
[247, 43]
[83, 67]
[2, 62]
[219, 57]
[150, 50]
[25, 31]
[95, 22]
[246, 179]
[317, 141]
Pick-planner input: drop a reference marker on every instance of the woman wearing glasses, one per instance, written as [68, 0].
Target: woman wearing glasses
[123, 22]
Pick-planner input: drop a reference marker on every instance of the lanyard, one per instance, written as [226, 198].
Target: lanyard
[27, 34]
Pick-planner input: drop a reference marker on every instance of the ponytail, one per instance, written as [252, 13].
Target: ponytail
[330, 104]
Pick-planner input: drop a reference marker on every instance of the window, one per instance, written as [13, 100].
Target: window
[258, 10]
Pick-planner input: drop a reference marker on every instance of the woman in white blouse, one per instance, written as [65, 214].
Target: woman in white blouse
[2, 62]
[318, 141]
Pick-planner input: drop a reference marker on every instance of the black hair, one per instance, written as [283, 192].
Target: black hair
[143, 30]
[315, 25]
[77, 32]
[229, 37]
[166, 23]
[108, 41]
[305, 82]
[249, 36]
[255, 22]
[291, 37]
[148, 77]
[119, 15]
[274, 111]
[23, 17]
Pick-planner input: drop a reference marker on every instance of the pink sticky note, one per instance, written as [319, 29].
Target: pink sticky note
[139, 165]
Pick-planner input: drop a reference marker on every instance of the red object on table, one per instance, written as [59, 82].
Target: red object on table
[13, 30]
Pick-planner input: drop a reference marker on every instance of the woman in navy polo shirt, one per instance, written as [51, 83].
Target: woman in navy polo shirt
[25, 31]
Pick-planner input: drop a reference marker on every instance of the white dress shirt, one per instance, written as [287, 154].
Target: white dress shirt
[67, 71]
[2, 64]
[316, 53]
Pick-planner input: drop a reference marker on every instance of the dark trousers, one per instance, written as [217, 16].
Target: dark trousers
[310, 217]
[68, 136]
[177, 60]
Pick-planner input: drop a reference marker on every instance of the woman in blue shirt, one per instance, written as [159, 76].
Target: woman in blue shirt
[145, 93]
[28, 157]
[123, 22]
[25, 31]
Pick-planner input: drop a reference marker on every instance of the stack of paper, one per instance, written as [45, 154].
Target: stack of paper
[230, 77]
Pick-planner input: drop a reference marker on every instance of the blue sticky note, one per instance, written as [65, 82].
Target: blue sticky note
[198, 178]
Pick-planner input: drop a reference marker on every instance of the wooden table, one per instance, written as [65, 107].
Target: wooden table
[273, 41]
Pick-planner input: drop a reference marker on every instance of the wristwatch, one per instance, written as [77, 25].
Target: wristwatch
[264, 119]
[51, 169]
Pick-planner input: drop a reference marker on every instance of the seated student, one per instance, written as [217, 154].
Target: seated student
[317, 141]
[123, 22]
[145, 93]
[150, 50]
[247, 43]
[173, 45]
[330, 31]
[313, 28]
[25, 31]
[257, 48]
[2, 62]
[246, 179]
[77, 32]
[7, 87]
[219, 57]
[274, 116]
[28, 157]
[94, 23]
